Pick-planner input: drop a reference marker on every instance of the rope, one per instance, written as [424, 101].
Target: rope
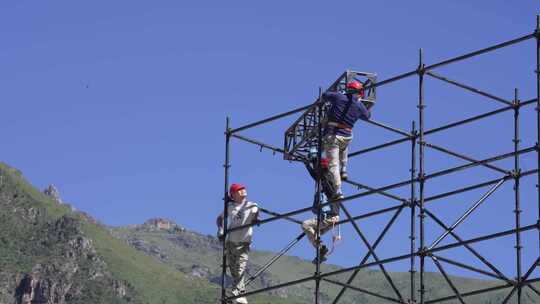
[336, 237]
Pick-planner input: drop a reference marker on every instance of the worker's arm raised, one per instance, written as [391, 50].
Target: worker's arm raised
[365, 112]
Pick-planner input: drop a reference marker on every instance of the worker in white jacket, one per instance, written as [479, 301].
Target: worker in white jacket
[240, 212]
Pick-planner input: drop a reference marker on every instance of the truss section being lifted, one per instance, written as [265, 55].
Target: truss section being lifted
[301, 137]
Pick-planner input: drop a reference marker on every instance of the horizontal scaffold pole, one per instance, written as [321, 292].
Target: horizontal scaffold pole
[479, 52]
[389, 187]
[258, 143]
[469, 88]
[441, 128]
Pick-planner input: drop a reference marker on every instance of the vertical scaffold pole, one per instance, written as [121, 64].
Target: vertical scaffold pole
[318, 198]
[517, 211]
[538, 118]
[412, 237]
[225, 209]
[421, 173]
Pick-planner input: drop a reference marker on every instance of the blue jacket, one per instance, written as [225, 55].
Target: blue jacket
[340, 103]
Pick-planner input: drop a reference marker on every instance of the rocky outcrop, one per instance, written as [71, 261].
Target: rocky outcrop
[148, 249]
[200, 271]
[160, 224]
[91, 219]
[75, 270]
[57, 284]
[194, 243]
[8, 285]
[47, 284]
[53, 193]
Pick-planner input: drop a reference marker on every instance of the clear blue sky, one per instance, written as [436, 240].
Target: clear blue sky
[122, 104]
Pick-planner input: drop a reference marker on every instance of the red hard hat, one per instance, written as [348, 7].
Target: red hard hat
[355, 85]
[235, 187]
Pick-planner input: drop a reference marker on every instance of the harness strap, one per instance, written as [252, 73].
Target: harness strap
[339, 125]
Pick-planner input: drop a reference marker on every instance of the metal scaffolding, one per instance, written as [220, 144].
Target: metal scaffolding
[297, 143]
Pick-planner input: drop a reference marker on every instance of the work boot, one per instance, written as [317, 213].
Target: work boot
[338, 196]
[324, 251]
[241, 300]
[343, 173]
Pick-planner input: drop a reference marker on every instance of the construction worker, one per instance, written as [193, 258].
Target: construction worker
[237, 243]
[344, 111]
[329, 214]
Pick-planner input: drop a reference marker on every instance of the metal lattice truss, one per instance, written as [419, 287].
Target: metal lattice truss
[302, 136]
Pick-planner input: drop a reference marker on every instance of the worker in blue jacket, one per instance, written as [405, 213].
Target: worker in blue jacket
[344, 111]
[329, 214]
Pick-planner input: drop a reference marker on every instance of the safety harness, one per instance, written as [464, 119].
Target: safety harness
[338, 125]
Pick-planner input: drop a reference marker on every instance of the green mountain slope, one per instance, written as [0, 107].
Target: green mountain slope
[51, 254]
[44, 253]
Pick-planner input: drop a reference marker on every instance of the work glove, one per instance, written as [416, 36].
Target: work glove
[368, 104]
[220, 235]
